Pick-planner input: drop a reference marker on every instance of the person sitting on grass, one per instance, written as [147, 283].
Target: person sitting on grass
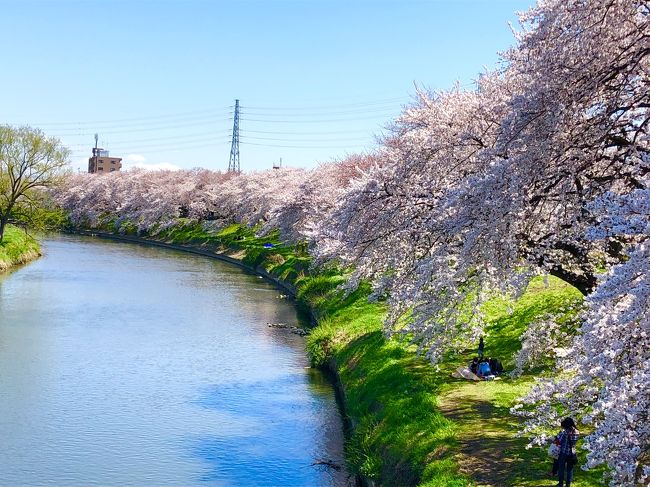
[483, 369]
[495, 366]
[473, 366]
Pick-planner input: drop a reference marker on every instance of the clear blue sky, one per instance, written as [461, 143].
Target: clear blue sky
[157, 79]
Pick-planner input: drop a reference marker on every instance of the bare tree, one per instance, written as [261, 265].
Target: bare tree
[29, 161]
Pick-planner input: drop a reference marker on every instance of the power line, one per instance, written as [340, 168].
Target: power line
[208, 113]
[223, 140]
[246, 137]
[306, 133]
[180, 138]
[325, 107]
[198, 114]
[183, 146]
[148, 129]
[173, 148]
[311, 113]
[306, 146]
[174, 141]
[287, 138]
[311, 121]
[200, 146]
[120, 146]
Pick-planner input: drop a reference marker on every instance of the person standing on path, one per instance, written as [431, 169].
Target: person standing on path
[568, 438]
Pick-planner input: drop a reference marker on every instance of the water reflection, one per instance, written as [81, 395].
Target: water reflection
[274, 409]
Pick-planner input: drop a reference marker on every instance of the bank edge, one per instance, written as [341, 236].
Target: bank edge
[17, 248]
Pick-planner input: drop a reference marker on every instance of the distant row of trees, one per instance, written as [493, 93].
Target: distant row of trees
[544, 168]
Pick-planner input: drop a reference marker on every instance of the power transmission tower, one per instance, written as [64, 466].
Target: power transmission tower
[233, 163]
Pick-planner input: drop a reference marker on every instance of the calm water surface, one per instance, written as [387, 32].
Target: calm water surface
[127, 365]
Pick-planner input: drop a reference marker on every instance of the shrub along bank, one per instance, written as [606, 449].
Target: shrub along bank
[409, 423]
[16, 248]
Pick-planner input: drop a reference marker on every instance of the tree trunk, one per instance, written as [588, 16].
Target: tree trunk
[4, 217]
[584, 282]
[3, 223]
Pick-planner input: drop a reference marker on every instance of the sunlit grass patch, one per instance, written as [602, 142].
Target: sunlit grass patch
[17, 247]
[509, 319]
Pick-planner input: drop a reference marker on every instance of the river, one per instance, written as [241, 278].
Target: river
[126, 365]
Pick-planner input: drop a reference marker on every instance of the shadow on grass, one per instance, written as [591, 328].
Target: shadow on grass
[486, 446]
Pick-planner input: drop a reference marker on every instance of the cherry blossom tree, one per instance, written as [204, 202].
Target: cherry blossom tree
[313, 198]
[151, 200]
[586, 66]
[421, 223]
[515, 173]
[603, 377]
[480, 190]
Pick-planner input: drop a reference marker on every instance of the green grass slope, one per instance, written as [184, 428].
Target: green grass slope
[17, 248]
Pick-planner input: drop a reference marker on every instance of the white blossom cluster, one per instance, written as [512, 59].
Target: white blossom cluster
[546, 338]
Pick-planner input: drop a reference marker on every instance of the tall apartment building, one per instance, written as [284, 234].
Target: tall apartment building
[101, 162]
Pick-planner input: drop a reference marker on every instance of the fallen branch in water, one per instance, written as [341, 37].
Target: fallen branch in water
[327, 463]
[292, 329]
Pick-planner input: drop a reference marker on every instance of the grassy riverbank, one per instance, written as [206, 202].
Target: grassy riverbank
[411, 424]
[17, 248]
[416, 425]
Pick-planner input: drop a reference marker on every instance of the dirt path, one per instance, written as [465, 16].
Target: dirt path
[486, 446]
[482, 443]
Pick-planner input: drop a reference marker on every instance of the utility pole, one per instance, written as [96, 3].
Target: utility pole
[233, 163]
[96, 152]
